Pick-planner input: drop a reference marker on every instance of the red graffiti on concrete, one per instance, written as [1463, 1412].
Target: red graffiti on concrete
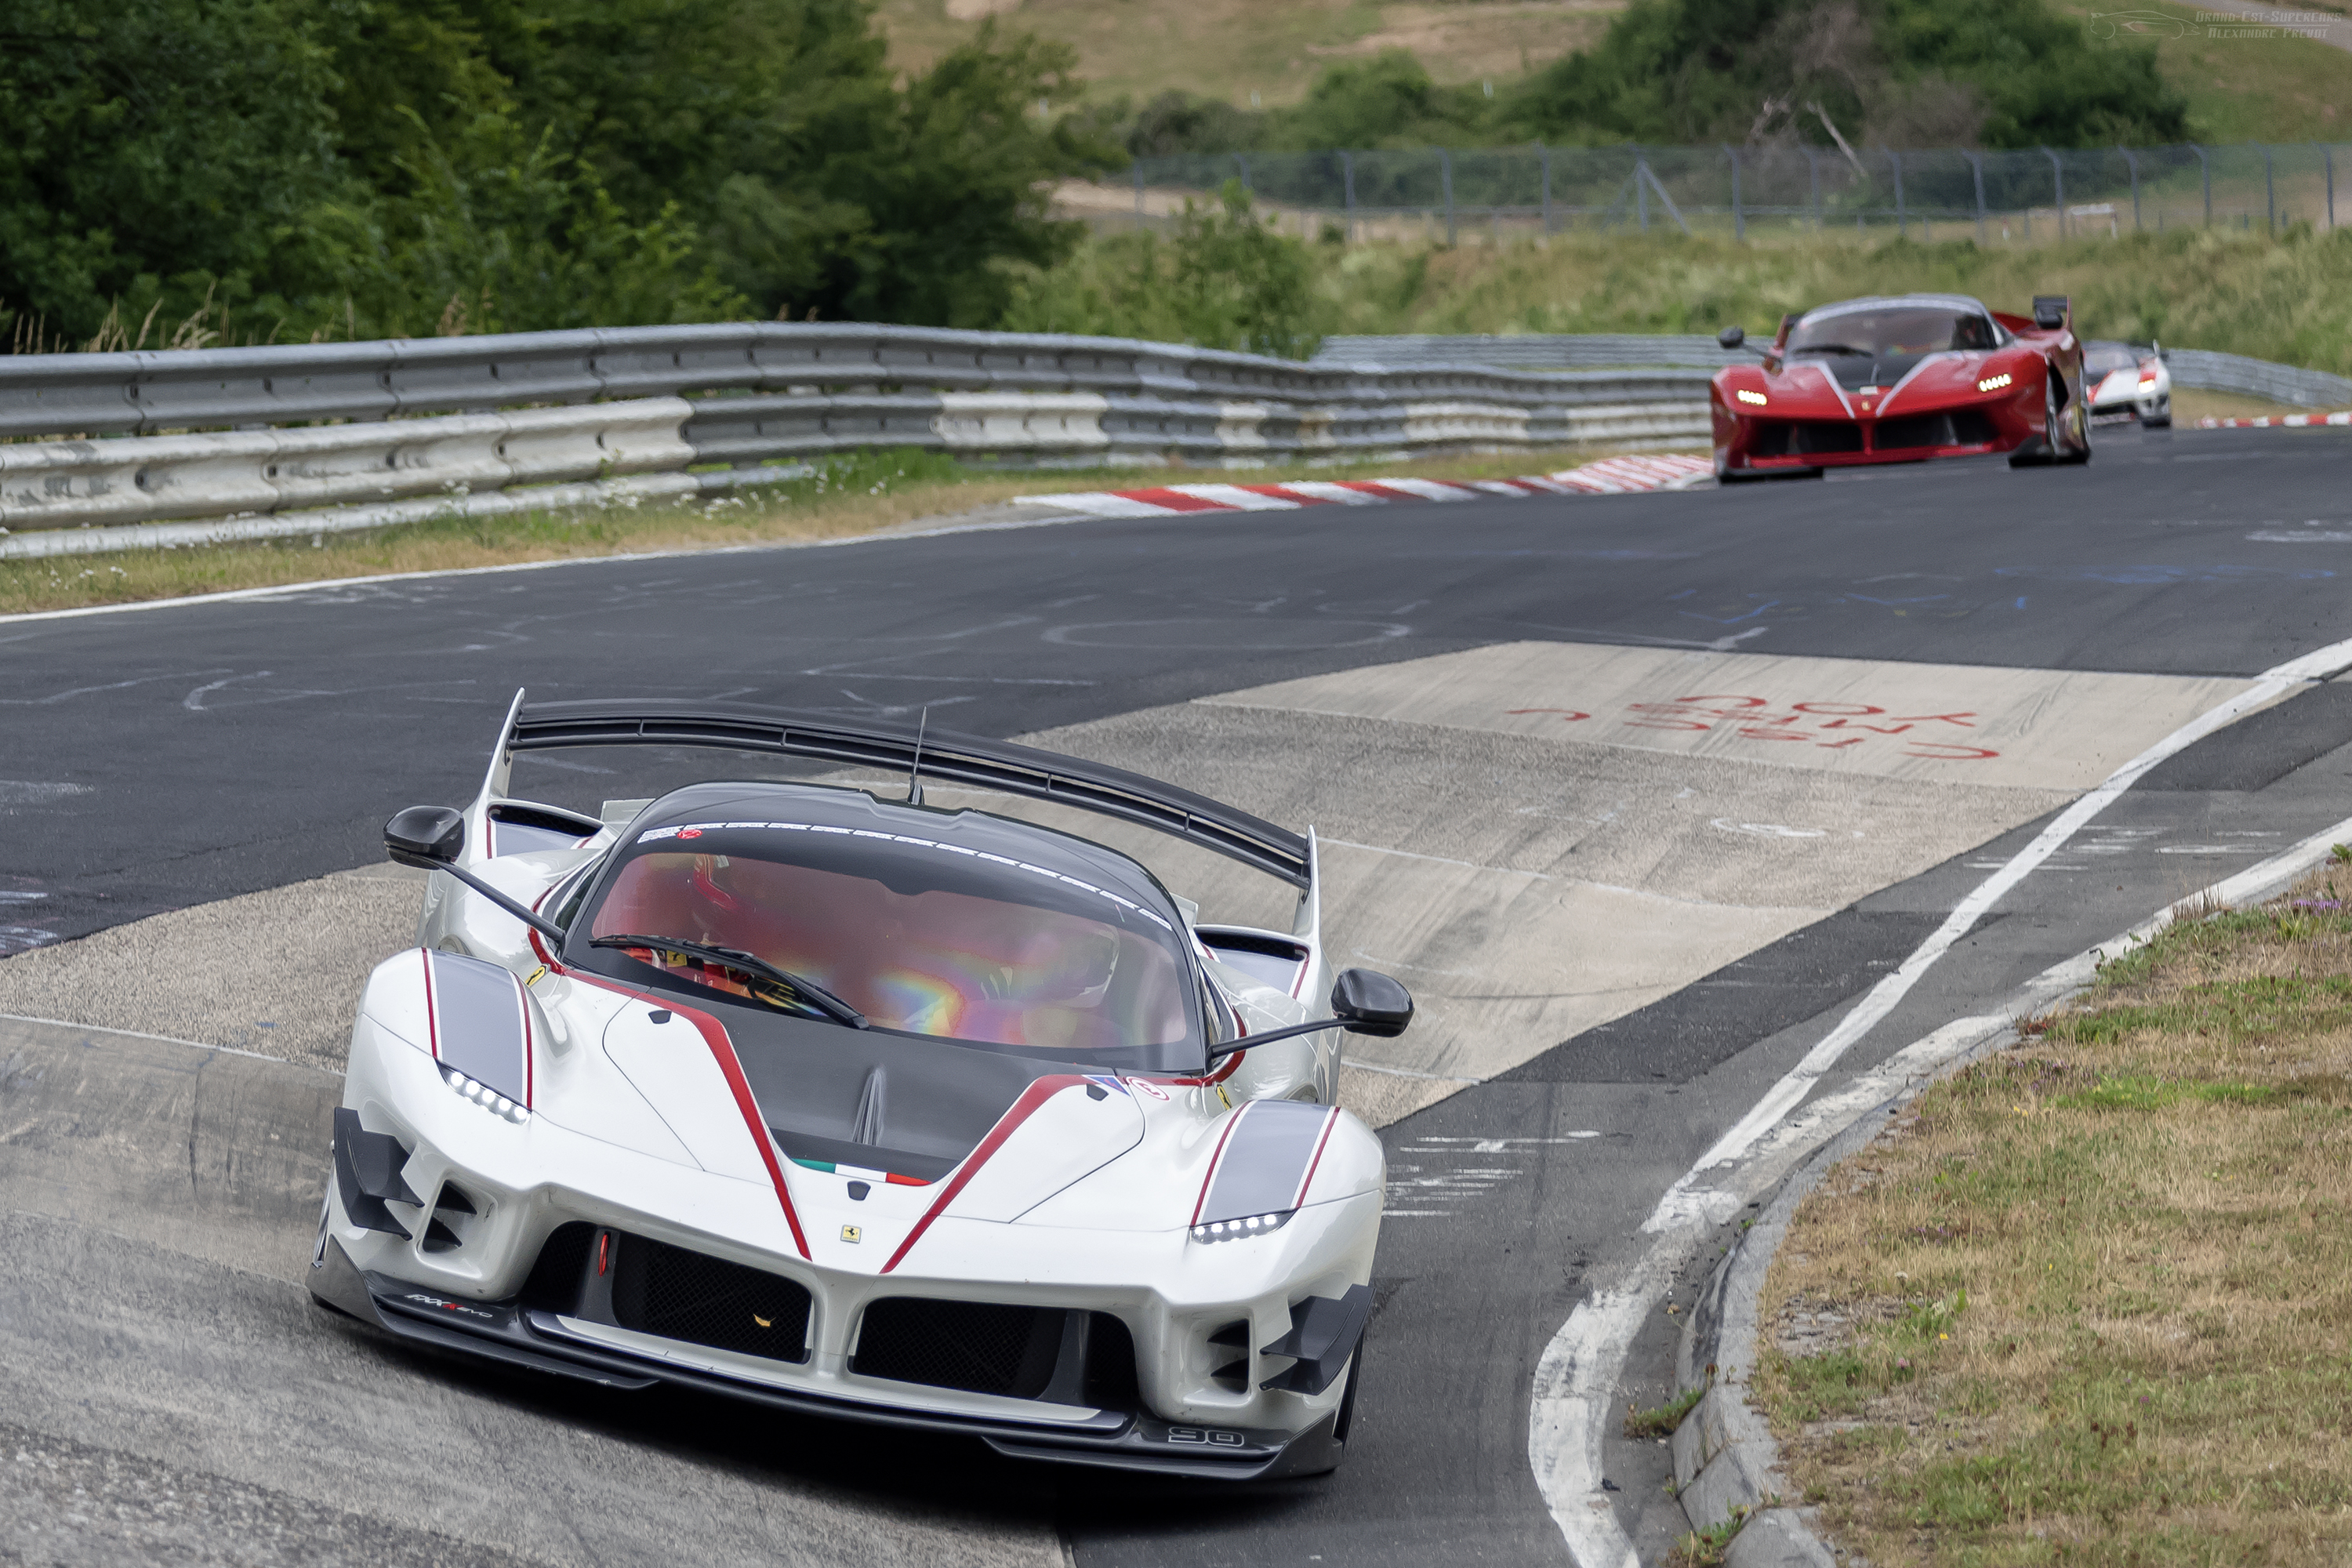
[1831, 726]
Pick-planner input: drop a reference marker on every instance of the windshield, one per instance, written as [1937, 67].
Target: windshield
[919, 936]
[1895, 331]
[2106, 360]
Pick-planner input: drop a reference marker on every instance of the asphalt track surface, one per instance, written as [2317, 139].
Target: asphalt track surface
[165, 758]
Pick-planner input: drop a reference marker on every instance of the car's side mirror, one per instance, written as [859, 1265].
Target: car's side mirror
[1732, 337]
[429, 837]
[1367, 1002]
[1363, 1002]
[2050, 312]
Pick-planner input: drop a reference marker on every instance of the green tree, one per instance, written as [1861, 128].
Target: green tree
[406, 166]
[1388, 100]
[150, 144]
[2001, 73]
[873, 204]
[1224, 280]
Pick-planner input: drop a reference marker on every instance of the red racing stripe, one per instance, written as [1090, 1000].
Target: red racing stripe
[1231, 1122]
[1321, 1143]
[432, 1028]
[714, 1034]
[1035, 1095]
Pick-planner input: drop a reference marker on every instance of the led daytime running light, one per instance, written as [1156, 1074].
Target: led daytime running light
[1992, 383]
[1758, 398]
[1235, 1229]
[483, 1095]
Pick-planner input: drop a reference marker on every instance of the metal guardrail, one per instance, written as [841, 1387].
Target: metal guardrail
[1178, 391]
[1530, 352]
[2211, 371]
[2200, 369]
[88, 484]
[331, 437]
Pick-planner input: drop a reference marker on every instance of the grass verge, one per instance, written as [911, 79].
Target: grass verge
[2190, 405]
[2287, 298]
[1662, 1420]
[867, 494]
[2088, 1301]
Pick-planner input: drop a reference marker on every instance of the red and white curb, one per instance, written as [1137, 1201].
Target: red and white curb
[2275, 421]
[1611, 476]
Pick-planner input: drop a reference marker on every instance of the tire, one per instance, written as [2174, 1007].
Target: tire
[2077, 457]
[2046, 447]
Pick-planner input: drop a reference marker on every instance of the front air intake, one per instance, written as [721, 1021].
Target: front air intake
[977, 1346]
[1961, 428]
[1804, 437]
[674, 1294]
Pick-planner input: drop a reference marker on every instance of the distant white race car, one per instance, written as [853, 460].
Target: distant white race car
[867, 1109]
[2128, 383]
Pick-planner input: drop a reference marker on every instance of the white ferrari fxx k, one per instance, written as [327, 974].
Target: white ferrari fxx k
[2127, 383]
[868, 1109]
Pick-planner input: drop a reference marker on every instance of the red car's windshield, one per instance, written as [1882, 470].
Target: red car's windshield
[1895, 331]
[961, 962]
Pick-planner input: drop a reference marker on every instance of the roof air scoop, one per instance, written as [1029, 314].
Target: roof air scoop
[867, 1126]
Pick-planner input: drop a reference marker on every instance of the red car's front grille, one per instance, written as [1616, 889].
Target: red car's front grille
[1804, 437]
[1956, 427]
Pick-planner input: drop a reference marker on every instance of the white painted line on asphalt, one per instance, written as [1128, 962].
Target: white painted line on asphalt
[1403, 1072]
[166, 1039]
[882, 536]
[1575, 1384]
[1436, 860]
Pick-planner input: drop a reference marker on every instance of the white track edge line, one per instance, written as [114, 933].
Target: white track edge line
[231, 594]
[163, 1039]
[1575, 1384]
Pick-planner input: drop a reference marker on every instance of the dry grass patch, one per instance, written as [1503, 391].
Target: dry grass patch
[2091, 1300]
[864, 494]
[2190, 405]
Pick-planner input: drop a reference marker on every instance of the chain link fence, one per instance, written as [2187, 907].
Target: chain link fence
[1994, 197]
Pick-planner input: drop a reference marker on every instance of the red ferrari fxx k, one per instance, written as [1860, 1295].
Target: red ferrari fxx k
[1901, 380]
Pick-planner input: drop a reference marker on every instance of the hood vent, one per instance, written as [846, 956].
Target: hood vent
[865, 1127]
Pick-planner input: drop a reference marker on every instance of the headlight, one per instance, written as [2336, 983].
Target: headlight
[1234, 1229]
[2147, 386]
[483, 1095]
[1756, 398]
[1992, 383]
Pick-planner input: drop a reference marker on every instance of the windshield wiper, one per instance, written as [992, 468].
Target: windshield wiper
[802, 990]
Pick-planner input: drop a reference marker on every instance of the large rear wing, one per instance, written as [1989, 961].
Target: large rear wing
[945, 756]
